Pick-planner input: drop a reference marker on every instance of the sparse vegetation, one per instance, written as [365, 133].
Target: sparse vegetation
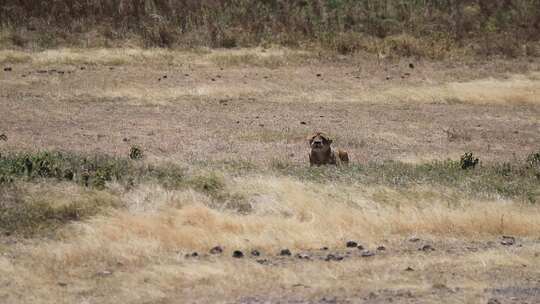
[135, 153]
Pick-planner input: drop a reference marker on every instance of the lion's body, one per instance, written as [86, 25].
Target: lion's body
[323, 154]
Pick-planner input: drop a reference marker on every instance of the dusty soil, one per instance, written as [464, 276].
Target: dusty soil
[257, 114]
[219, 110]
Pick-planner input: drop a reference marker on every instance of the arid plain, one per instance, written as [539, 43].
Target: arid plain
[231, 126]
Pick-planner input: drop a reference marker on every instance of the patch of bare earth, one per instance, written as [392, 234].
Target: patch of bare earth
[422, 244]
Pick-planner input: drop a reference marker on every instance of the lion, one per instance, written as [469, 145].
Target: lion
[322, 154]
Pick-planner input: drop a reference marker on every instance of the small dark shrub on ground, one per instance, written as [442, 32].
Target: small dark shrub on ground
[136, 152]
[468, 161]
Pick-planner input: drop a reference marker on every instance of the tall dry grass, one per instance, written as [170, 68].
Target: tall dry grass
[137, 254]
[414, 28]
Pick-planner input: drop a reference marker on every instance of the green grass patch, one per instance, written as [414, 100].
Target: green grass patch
[27, 214]
[507, 180]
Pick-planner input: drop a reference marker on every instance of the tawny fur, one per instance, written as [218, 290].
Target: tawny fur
[322, 154]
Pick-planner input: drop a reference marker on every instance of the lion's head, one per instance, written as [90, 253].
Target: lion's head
[320, 142]
[321, 151]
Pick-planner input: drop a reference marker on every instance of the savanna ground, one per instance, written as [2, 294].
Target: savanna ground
[223, 137]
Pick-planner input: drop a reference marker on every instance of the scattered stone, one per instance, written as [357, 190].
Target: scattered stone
[303, 123]
[409, 269]
[8, 69]
[41, 71]
[508, 240]
[83, 68]
[255, 253]
[324, 248]
[213, 79]
[263, 261]
[367, 253]
[104, 273]
[62, 284]
[388, 77]
[61, 72]
[186, 75]
[407, 74]
[303, 256]
[3, 137]
[164, 77]
[216, 250]
[285, 252]
[319, 75]
[332, 257]
[192, 255]
[360, 247]
[381, 248]
[125, 139]
[493, 301]
[351, 244]
[238, 254]
[411, 65]
[427, 248]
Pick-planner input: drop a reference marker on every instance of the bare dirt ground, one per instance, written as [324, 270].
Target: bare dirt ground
[254, 106]
[218, 109]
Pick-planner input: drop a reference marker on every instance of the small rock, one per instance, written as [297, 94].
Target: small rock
[367, 253]
[216, 250]
[8, 69]
[303, 256]
[351, 244]
[285, 252]
[213, 79]
[381, 248]
[83, 68]
[262, 261]
[411, 65]
[427, 248]
[255, 253]
[303, 123]
[508, 240]
[186, 75]
[164, 77]
[62, 284]
[41, 71]
[332, 257]
[104, 273]
[388, 77]
[192, 255]
[3, 137]
[238, 254]
[493, 301]
[319, 75]
[324, 248]
[409, 269]
[360, 247]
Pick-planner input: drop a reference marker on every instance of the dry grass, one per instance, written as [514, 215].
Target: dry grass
[247, 128]
[144, 245]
